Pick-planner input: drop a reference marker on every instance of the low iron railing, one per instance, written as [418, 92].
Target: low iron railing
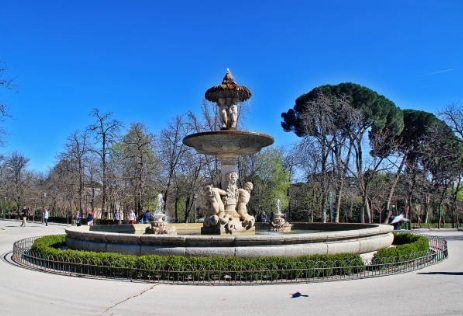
[319, 271]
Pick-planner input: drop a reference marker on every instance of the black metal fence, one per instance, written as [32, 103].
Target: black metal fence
[315, 271]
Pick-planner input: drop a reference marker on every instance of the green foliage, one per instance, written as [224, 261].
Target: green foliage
[205, 268]
[379, 112]
[408, 246]
[443, 151]
[48, 244]
[416, 127]
[271, 182]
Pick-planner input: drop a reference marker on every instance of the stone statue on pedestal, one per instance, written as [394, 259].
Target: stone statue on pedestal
[216, 208]
[222, 206]
[227, 96]
[243, 200]
[227, 206]
[228, 112]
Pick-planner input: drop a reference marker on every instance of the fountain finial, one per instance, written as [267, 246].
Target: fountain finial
[228, 79]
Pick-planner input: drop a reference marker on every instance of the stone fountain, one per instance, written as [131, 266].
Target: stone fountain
[279, 224]
[227, 211]
[159, 225]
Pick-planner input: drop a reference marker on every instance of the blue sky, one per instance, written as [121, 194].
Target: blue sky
[147, 61]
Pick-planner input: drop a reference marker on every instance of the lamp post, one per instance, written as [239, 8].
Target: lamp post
[196, 213]
[44, 195]
[4, 211]
[331, 217]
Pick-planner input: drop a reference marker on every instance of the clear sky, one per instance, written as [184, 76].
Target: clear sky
[147, 61]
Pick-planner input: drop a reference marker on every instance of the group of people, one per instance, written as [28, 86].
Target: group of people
[24, 214]
[118, 217]
[144, 217]
[78, 219]
[131, 217]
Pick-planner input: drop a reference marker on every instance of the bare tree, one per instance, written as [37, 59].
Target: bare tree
[93, 186]
[318, 124]
[453, 116]
[187, 182]
[106, 132]
[171, 151]
[140, 163]
[16, 165]
[441, 158]
[76, 150]
[7, 84]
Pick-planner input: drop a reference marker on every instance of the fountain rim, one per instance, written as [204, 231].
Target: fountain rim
[357, 231]
[368, 239]
[230, 132]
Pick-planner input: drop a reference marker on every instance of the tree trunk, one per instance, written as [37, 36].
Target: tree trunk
[339, 200]
[187, 208]
[176, 207]
[391, 191]
[365, 208]
[426, 207]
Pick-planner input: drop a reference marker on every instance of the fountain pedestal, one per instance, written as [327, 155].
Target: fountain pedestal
[227, 212]
[223, 230]
[160, 227]
[279, 224]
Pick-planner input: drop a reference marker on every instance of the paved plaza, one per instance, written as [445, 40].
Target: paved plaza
[435, 290]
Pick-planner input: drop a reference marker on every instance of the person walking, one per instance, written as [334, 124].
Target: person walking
[264, 217]
[24, 214]
[131, 217]
[45, 217]
[90, 219]
[146, 217]
[78, 219]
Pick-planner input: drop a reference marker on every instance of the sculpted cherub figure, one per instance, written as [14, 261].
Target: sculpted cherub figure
[228, 112]
[233, 114]
[243, 200]
[232, 188]
[214, 200]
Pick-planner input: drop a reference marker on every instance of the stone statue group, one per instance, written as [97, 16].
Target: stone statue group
[228, 208]
[228, 112]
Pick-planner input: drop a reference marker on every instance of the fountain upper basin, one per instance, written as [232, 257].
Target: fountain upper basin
[228, 142]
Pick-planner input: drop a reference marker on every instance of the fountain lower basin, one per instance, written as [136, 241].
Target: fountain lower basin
[334, 239]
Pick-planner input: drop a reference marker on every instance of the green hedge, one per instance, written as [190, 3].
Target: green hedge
[201, 268]
[408, 246]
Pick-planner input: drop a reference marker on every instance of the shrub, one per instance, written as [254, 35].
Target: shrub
[180, 268]
[408, 246]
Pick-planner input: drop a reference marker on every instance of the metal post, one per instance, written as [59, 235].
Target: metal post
[331, 216]
[43, 205]
[4, 211]
[196, 213]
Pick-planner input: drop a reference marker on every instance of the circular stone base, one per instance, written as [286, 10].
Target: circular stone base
[353, 238]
